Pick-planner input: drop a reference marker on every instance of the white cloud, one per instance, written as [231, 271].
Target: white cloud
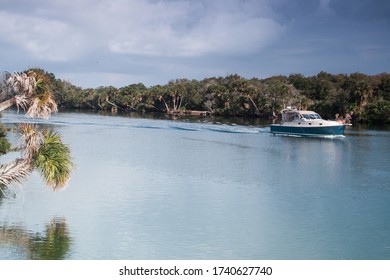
[44, 38]
[170, 29]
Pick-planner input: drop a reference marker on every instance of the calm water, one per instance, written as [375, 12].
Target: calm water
[160, 189]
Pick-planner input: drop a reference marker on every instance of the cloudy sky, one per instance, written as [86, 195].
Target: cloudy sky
[95, 43]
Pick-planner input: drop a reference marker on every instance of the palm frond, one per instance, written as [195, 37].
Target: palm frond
[41, 107]
[32, 93]
[14, 171]
[53, 160]
[21, 101]
[43, 104]
[31, 139]
[22, 83]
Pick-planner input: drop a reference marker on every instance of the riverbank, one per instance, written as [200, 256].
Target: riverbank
[365, 97]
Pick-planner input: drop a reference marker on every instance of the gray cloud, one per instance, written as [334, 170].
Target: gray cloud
[59, 30]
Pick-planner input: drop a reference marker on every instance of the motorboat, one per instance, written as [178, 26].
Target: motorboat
[306, 123]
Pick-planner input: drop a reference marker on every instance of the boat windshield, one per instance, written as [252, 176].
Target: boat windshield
[311, 116]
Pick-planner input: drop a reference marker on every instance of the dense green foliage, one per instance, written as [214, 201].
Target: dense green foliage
[365, 97]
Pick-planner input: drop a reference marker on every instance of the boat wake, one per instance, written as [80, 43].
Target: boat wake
[133, 123]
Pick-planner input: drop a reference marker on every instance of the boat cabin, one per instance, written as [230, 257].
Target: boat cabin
[289, 115]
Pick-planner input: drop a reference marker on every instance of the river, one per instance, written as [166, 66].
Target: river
[145, 188]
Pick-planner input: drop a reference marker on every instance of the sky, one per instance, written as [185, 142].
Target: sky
[93, 43]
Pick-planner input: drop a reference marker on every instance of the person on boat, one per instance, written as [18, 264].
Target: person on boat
[340, 119]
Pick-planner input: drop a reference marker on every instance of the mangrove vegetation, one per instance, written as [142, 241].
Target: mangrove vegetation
[365, 97]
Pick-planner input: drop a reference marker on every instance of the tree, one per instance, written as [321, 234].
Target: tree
[276, 92]
[378, 111]
[42, 150]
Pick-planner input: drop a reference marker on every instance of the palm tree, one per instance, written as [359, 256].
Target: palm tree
[30, 92]
[42, 150]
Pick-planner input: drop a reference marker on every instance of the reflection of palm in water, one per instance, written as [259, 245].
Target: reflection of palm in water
[52, 244]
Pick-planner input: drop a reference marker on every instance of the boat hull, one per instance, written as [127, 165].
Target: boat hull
[334, 130]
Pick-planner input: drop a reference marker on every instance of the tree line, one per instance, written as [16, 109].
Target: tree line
[365, 97]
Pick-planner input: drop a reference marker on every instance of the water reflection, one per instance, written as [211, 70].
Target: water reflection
[52, 244]
[6, 192]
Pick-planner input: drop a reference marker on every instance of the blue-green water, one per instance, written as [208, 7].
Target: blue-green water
[162, 189]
